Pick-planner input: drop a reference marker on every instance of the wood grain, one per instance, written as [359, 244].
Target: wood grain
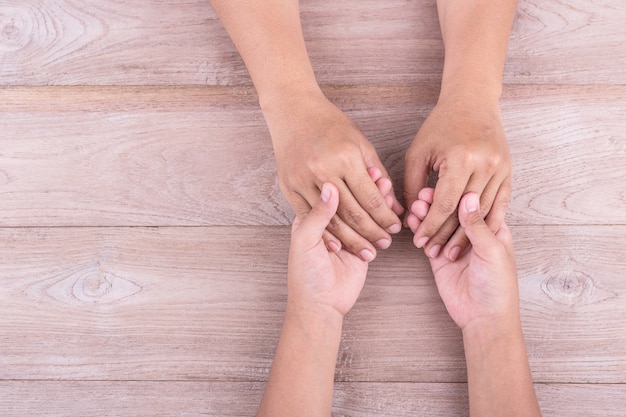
[199, 398]
[207, 303]
[395, 42]
[90, 156]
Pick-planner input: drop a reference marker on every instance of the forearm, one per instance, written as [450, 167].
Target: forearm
[475, 34]
[268, 36]
[302, 375]
[499, 379]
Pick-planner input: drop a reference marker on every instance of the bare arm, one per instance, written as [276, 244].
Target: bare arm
[499, 379]
[475, 35]
[322, 287]
[268, 35]
[314, 142]
[481, 294]
[463, 138]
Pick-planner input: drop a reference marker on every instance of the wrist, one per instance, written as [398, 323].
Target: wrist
[287, 95]
[482, 335]
[316, 318]
[476, 89]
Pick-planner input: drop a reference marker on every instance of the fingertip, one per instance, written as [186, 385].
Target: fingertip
[327, 191]
[472, 202]
[375, 173]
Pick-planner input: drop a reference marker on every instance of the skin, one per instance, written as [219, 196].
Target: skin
[463, 139]
[479, 291]
[481, 294]
[322, 286]
[314, 142]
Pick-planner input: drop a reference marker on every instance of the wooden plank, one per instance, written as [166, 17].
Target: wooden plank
[198, 398]
[151, 42]
[154, 156]
[207, 304]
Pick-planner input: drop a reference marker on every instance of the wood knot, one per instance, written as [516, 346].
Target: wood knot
[16, 27]
[574, 288]
[10, 30]
[93, 285]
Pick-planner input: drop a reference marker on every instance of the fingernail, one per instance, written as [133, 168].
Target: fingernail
[434, 251]
[454, 253]
[394, 228]
[325, 196]
[383, 243]
[471, 203]
[422, 242]
[366, 255]
[333, 246]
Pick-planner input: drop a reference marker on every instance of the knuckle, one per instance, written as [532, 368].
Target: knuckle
[374, 202]
[354, 216]
[334, 226]
[492, 162]
[445, 207]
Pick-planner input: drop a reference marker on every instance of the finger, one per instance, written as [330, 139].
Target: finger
[476, 183]
[415, 178]
[448, 192]
[367, 211]
[458, 242]
[300, 206]
[495, 218]
[479, 234]
[385, 186]
[311, 227]
[351, 240]
[333, 244]
[500, 205]
[420, 209]
[426, 194]
[375, 173]
[413, 222]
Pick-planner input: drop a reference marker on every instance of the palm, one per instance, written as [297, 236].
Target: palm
[463, 288]
[332, 279]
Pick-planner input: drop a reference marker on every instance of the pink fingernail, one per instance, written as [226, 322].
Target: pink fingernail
[434, 251]
[394, 228]
[383, 243]
[333, 246]
[421, 242]
[366, 255]
[471, 203]
[325, 196]
[454, 253]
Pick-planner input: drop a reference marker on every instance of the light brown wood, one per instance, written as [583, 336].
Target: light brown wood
[232, 399]
[207, 303]
[116, 114]
[151, 42]
[89, 156]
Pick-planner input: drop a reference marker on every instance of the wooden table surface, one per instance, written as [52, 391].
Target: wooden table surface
[143, 237]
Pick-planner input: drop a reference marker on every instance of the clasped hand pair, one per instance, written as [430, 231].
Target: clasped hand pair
[479, 286]
[463, 141]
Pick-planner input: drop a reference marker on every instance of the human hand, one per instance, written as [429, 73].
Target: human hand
[315, 142]
[317, 278]
[465, 143]
[481, 285]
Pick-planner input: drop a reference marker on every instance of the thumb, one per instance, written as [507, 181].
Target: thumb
[480, 235]
[312, 225]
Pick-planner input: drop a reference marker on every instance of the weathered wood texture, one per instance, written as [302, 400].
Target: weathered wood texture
[196, 156]
[391, 42]
[210, 399]
[116, 114]
[207, 304]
